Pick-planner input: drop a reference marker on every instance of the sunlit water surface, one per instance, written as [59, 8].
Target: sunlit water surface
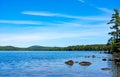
[52, 64]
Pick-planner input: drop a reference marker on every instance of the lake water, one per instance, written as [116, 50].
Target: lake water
[52, 64]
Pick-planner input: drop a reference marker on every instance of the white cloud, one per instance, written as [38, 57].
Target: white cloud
[32, 39]
[65, 32]
[36, 36]
[106, 10]
[20, 22]
[95, 18]
[39, 13]
[19, 38]
[89, 30]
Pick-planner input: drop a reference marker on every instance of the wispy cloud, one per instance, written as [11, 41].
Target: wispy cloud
[105, 10]
[20, 22]
[35, 36]
[48, 14]
[67, 31]
[30, 39]
[39, 13]
[46, 36]
[95, 18]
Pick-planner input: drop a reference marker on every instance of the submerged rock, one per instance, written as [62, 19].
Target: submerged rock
[85, 63]
[106, 69]
[105, 52]
[76, 62]
[87, 56]
[110, 59]
[117, 60]
[93, 56]
[101, 52]
[104, 59]
[70, 62]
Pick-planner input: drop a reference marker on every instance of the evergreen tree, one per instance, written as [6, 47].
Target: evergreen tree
[114, 41]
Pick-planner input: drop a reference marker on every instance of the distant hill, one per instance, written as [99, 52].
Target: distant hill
[95, 47]
[8, 48]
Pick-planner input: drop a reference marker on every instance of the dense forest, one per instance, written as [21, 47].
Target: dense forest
[97, 47]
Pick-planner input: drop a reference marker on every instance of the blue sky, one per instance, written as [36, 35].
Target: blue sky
[25, 23]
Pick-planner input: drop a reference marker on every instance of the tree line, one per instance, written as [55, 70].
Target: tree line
[96, 47]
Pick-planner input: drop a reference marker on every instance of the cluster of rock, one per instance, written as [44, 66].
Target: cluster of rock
[116, 56]
[86, 63]
[83, 63]
[93, 56]
[106, 52]
[116, 60]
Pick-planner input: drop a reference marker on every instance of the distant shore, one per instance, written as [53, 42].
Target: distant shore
[95, 47]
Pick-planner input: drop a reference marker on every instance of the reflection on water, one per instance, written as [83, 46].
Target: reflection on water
[52, 64]
[116, 69]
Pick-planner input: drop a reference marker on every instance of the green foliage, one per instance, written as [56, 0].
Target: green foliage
[100, 47]
[114, 41]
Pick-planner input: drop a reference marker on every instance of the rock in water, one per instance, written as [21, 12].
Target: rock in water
[104, 59]
[110, 59]
[84, 63]
[76, 62]
[106, 69]
[117, 60]
[93, 56]
[87, 56]
[70, 62]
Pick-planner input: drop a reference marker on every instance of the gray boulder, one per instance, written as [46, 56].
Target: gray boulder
[106, 69]
[85, 63]
[70, 62]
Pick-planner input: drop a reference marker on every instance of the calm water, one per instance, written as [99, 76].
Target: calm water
[51, 64]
